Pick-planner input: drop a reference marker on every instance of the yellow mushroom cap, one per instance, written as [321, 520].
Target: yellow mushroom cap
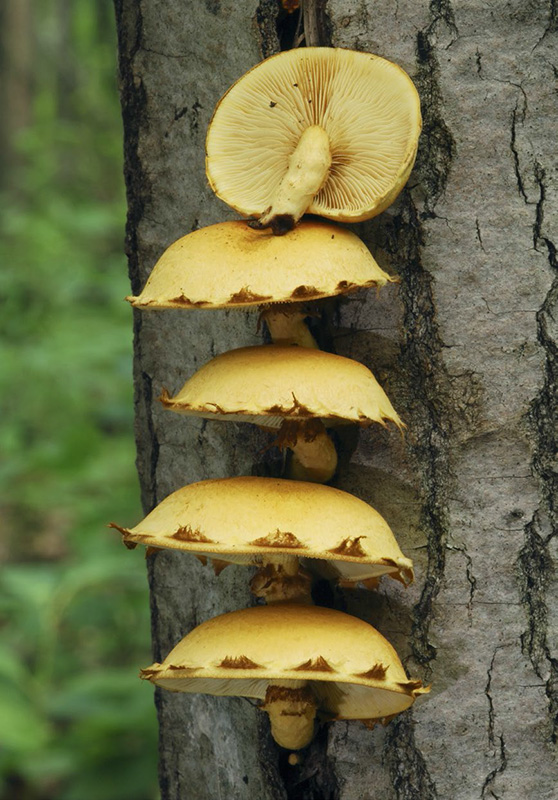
[230, 264]
[246, 520]
[352, 670]
[267, 384]
[368, 107]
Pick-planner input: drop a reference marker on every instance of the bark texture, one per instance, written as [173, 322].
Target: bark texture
[466, 347]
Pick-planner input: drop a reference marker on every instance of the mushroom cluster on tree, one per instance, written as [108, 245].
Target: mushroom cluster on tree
[329, 132]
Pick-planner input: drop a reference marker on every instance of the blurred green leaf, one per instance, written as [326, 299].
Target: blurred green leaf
[22, 729]
[12, 671]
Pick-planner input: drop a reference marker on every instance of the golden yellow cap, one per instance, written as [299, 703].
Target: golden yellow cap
[267, 384]
[247, 520]
[353, 671]
[232, 265]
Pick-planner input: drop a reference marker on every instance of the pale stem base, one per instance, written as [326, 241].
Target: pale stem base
[286, 325]
[292, 710]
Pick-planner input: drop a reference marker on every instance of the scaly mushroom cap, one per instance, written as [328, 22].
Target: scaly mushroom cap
[233, 265]
[353, 672]
[247, 520]
[267, 384]
[365, 108]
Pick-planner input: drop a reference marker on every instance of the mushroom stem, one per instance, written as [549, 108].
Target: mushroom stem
[292, 709]
[286, 325]
[314, 458]
[306, 174]
[280, 581]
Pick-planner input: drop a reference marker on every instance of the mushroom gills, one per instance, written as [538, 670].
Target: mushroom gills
[307, 172]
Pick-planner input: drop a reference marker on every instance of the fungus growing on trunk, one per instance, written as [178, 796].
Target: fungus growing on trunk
[270, 385]
[273, 524]
[303, 662]
[314, 130]
[230, 265]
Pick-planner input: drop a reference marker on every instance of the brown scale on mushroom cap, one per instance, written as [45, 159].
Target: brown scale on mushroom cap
[239, 662]
[349, 547]
[186, 534]
[377, 672]
[280, 539]
[318, 664]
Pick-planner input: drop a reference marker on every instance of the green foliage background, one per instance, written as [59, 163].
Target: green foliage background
[76, 723]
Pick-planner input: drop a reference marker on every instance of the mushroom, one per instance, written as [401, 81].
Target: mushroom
[292, 388]
[273, 523]
[320, 130]
[300, 661]
[230, 265]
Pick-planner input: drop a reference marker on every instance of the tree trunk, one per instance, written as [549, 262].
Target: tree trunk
[466, 347]
[16, 56]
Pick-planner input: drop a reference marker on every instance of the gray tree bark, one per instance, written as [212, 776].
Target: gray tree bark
[466, 347]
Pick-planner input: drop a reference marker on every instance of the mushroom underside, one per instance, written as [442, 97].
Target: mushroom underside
[344, 129]
[336, 699]
[351, 570]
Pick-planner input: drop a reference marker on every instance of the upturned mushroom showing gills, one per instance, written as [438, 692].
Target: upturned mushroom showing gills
[295, 389]
[320, 130]
[273, 524]
[302, 662]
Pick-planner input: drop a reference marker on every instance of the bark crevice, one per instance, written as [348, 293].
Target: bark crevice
[408, 769]
[488, 785]
[535, 564]
[428, 401]
[313, 776]
[428, 409]
[437, 148]
[278, 29]
[267, 27]
[518, 117]
[133, 99]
